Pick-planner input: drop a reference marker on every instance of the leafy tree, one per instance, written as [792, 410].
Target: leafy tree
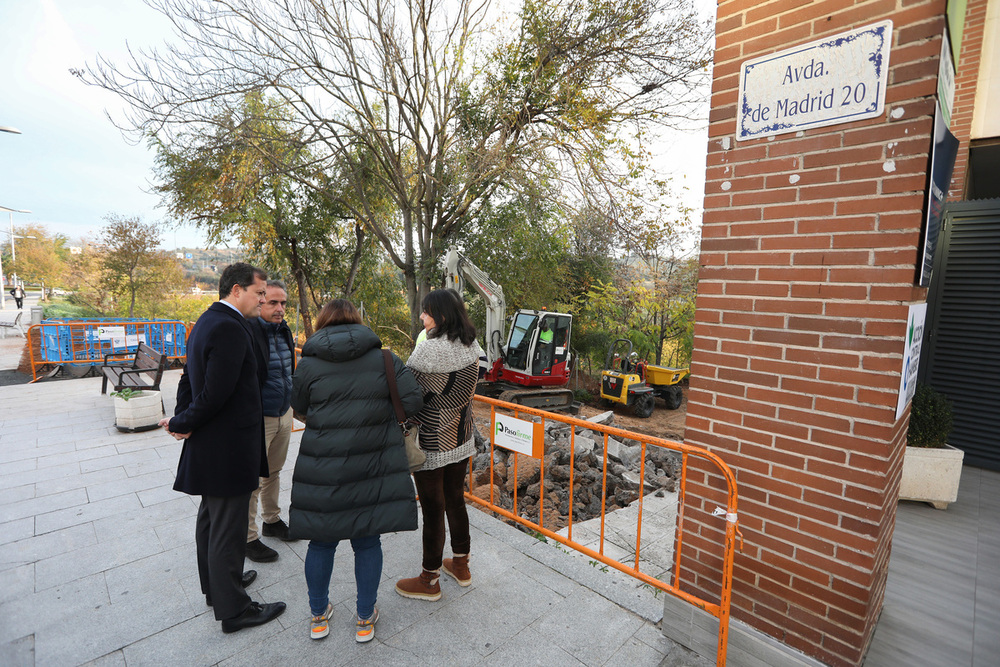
[41, 256]
[238, 178]
[132, 267]
[433, 109]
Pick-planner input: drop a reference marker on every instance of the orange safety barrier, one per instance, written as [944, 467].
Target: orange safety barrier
[85, 343]
[718, 609]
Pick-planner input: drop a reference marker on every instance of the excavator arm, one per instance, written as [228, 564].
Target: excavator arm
[459, 272]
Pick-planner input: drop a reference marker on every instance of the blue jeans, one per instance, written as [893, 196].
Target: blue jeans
[367, 573]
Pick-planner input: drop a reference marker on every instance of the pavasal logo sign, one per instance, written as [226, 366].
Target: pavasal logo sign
[518, 435]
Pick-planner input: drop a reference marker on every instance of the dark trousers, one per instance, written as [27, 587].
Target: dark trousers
[19, 302]
[442, 493]
[221, 539]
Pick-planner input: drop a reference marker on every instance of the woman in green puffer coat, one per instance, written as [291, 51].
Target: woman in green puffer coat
[351, 478]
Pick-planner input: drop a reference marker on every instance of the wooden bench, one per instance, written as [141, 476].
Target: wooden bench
[15, 325]
[145, 372]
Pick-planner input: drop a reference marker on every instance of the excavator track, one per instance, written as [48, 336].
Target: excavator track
[554, 400]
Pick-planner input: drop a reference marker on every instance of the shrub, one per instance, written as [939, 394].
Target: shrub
[930, 418]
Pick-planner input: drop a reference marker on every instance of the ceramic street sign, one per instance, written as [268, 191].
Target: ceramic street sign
[833, 80]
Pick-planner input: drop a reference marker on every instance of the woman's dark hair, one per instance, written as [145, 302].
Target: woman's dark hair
[338, 311]
[450, 318]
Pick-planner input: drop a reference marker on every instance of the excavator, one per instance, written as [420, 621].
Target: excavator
[530, 364]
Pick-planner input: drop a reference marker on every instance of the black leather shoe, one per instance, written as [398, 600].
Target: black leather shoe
[255, 614]
[259, 552]
[248, 578]
[277, 529]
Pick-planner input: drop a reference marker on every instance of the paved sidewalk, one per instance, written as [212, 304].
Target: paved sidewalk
[97, 566]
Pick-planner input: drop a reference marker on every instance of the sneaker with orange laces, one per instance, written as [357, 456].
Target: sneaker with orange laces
[319, 626]
[366, 628]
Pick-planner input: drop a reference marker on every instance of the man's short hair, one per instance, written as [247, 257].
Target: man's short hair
[277, 283]
[241, 274]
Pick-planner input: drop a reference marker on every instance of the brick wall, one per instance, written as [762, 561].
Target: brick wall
[808, 261]
[965, 92]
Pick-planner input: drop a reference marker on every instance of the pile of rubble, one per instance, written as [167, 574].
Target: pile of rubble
[623, 486]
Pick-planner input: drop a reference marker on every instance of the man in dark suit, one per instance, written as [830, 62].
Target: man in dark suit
[220, 419]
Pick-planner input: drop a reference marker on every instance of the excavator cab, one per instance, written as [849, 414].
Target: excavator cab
[538, 345]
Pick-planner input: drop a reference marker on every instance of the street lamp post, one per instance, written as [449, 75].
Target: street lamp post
[13, 256]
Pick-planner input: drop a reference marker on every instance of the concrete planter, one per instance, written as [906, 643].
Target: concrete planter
[141, 412]
[931, 475]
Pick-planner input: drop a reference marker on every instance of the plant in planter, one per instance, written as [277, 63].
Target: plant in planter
[932, 468]
[137, 410]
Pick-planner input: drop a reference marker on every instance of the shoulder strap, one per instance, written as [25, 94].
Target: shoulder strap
[390, 376]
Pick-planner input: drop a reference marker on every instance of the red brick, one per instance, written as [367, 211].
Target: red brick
[769, 196]
[796, 211]
[774, 41]
[762, 229]
[783, 368]
[753, 352]
[852, 155]
[778, 428]
[831, 258]
[800, 307]
[818, 389]
[837, 190]
[794, 242]
[795, 400]
[840, 224]
[826, 291]
[790, 144]
[797, 273]
[800, 178]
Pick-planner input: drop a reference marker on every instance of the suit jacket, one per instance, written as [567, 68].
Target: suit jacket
[218, 402]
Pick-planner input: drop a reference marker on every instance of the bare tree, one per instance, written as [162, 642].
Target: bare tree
[434, 106]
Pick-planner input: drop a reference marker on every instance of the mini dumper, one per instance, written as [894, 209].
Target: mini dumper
[635, 384]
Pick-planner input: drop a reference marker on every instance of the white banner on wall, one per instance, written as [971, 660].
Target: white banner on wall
[833, 80]
[911, 356]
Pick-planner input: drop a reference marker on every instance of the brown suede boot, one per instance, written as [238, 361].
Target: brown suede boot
[458, 567]
[424, 587]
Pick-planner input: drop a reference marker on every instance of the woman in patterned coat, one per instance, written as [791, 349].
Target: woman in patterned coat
[446, 367]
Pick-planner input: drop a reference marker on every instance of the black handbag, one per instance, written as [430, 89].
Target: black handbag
[411, 433]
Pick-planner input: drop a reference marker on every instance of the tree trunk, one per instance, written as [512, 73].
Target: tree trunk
[359, 231]
[300, 282]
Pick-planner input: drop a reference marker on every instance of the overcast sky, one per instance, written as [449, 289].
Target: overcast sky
[71, 167]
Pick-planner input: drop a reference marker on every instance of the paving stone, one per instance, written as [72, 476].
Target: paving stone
[84, 513]
[17, 582]
[10, 473]
[78, 481]
[198, 641]
[61, 456]
[15, 494]
[18, 652]
[45, 453]
[54, 609]
[18, 529]
[120, 487]
[159, 494]
[106, 628]
[569, 624]
[114, 459]
[35, 548]
[139, 518]
[43, 505]
[529, 647]
[113, 659]
[95, 558]
[32, 474]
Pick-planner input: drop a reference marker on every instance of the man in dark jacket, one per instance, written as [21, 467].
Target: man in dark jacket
[219, 417]
[275, 339]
